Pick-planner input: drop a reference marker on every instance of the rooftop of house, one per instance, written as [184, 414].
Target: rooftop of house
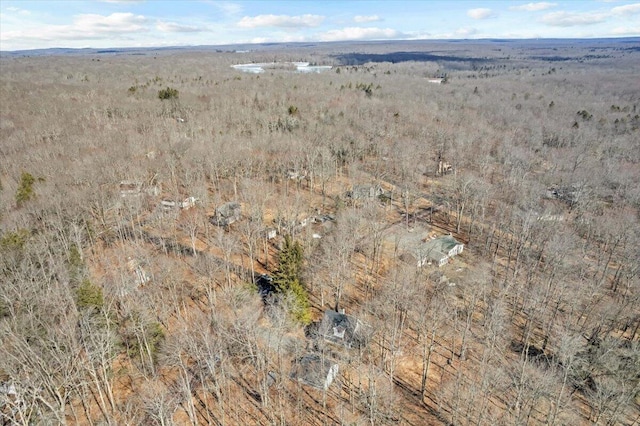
[365, 191]
[315, 370]
[339, 327]
[226, 214]
[441, 245]
[228, 209]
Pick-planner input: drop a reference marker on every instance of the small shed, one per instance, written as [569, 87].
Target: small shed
[363, 192]
[167, 205]
[189, 202]
[226, 214]
[444, 168]
[315, 370]
[270, 233]
[140, 275]
[295, 174]
[568, 194]
[130, 188]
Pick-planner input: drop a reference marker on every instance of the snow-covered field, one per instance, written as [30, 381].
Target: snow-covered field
[302, 67]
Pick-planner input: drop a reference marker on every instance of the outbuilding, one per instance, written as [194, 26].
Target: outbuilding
[315, 370]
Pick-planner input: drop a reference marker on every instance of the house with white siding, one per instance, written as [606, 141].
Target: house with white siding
[438, 251]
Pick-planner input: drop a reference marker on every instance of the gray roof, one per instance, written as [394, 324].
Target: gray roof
[315, 370]
[227, 213]
[228, 209]
[343, 329]
[365, 191]
[445, 243]
[437, 248]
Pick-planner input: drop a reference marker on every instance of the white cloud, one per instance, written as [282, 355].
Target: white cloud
[626, 10]
[280, 38]
[19, 11]
[173, 27]
[84, 27]
[114, 23]
[626, 31]
[281, 21]
[361, 19]
[359, 33]
[571, 19]
[465, 32]
[122, 1]
[228, 8]
[480, 13]
[534, 7]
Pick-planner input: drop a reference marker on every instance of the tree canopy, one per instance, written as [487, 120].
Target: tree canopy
[288, 281]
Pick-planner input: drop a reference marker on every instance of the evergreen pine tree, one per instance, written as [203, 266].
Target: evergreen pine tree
[287, 279]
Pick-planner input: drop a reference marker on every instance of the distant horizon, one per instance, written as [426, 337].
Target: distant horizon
[100, 24]
[108, 49]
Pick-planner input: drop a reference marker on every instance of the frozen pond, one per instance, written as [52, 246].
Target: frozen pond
[313, 68]
[302, 67]
[250, 68]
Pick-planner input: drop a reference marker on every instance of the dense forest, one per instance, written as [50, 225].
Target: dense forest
[182, 242]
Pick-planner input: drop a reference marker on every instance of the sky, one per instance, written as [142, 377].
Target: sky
[139, 23]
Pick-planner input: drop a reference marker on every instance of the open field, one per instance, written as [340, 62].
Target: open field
[143, 192]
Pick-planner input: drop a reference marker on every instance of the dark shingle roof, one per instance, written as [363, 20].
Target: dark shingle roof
[342, 328]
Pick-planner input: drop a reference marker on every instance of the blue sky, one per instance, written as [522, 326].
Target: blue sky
[135, 23]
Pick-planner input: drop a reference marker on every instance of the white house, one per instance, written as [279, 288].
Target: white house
[438, 250]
